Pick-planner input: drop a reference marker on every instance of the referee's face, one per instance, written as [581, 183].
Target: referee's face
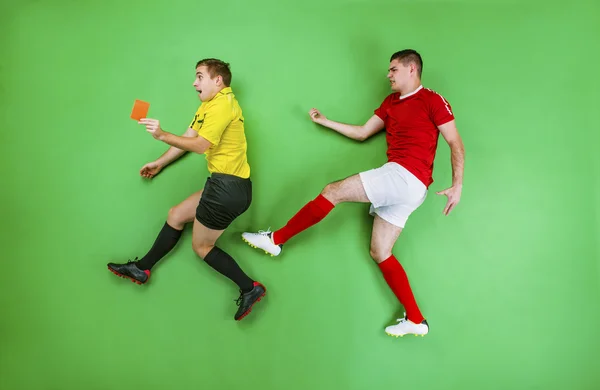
[206, 86]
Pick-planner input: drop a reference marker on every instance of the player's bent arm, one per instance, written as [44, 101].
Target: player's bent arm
[190, 142]
[174, 153]
[359, 133]
[457, 150]
[373, 126]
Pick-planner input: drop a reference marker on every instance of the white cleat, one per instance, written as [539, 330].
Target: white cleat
[405, 326]
[262, 240]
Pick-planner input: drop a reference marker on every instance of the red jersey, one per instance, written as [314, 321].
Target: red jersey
[411, 129]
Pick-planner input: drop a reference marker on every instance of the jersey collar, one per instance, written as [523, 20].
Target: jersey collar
[411, 93]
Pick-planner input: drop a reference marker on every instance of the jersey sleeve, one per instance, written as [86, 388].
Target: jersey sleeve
[440, 110]
[216, 119]
[382, 110]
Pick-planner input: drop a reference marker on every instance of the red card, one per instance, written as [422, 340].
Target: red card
[140, 110]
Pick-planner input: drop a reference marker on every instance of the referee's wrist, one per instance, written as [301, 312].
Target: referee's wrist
[163, 136]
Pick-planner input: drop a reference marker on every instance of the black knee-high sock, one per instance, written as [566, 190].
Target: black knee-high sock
[166, 240]
[227, 266]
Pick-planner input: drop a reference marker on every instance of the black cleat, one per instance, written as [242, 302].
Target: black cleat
[247, 300]
[131, 271]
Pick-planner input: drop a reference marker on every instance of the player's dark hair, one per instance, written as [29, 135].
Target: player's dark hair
[217, 68]
[407, 56]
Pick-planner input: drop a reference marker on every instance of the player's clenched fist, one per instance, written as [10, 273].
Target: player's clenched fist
[317, 117]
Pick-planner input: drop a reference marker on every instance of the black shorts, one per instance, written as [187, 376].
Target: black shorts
[225, 197]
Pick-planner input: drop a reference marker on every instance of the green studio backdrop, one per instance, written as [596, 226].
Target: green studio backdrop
[508, 281]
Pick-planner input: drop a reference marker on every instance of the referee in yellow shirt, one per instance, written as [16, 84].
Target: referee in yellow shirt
[217, 131]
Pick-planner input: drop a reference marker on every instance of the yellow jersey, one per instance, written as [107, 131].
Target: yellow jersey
[220, 121]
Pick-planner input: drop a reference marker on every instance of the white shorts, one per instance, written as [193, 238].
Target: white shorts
[394, 192]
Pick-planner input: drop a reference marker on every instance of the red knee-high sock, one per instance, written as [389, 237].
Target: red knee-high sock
[396, 278]
[312, 213]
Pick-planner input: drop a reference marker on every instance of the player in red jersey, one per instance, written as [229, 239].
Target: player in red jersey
[413, 117]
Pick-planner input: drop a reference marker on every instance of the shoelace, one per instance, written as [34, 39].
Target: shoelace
[239, 300]
[265, 233]
[132, 261]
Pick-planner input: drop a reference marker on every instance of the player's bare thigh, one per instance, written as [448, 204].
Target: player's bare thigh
[184, 212]
[383, 238]
[347, 190]
[204, 239]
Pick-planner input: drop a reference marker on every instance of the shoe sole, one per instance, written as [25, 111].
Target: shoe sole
[125, 276]
[251, 306]
[402, 335]
[254, 246]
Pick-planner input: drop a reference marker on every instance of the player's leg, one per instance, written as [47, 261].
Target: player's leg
[139, 271]
[347, 190]
[225, 198]
[396, 196]
[384, 236]
[204, 240]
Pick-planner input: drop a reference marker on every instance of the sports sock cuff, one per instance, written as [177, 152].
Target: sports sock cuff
[388, 264]
[172, 228]
[323, 203]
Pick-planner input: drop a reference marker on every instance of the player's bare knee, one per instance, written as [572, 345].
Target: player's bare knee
[330, 193]
[202, 249]
[174, 215]
[379, 255]
[176, 218]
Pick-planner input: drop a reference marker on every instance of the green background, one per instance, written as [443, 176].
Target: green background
[509, 281]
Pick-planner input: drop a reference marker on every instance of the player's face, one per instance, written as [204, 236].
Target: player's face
[398, 75]
[206, 87]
